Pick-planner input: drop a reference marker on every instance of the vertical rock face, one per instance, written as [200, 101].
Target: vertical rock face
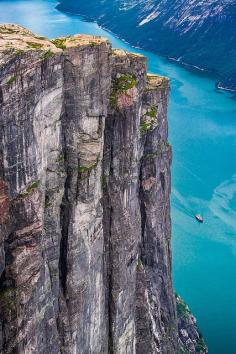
[137, 221]
[86, 87]
[121, 196]
[31, 105]
[85, 262]
[155, 306]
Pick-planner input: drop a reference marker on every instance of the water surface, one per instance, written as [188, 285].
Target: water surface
[202, 124]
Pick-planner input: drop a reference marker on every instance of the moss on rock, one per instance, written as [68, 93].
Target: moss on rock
[48, 54]
[182, 308]
[59, 43]
[152, 112]
[34, 45]
[11, 80]
[120, 85]
[7, 300]
[34, 185]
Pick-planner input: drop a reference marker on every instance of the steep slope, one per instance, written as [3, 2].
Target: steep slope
[199, 33]
[84, 200]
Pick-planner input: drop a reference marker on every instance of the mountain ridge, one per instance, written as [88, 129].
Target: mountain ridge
[201, 34]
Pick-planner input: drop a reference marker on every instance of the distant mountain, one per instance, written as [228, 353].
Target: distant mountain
[197, 32]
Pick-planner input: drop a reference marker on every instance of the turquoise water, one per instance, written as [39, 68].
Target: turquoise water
[202, 124]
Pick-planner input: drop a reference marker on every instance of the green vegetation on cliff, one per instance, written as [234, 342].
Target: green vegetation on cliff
[121, 84]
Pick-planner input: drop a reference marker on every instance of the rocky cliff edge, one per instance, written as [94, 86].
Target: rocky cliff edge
[85, 228]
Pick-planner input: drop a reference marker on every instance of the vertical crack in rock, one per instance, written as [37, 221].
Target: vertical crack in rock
[64, 222]
[4, 212]
[107, 221]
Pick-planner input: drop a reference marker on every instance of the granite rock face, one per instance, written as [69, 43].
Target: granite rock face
[85, 260]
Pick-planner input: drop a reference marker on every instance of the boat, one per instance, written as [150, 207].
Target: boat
[199, 218]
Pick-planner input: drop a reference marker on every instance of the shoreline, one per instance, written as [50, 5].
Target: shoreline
[192, 67]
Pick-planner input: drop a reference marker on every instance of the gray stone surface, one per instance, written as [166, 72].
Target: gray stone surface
[85, 261]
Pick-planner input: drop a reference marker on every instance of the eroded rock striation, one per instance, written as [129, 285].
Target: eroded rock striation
[85, 262]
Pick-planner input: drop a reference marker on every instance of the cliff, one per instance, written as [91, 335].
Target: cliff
[196, 32]
[85, 261]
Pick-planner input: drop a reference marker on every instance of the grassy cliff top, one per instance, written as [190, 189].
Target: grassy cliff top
[123, 53]
[79, 40]
[18, 38]
[154, 81]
